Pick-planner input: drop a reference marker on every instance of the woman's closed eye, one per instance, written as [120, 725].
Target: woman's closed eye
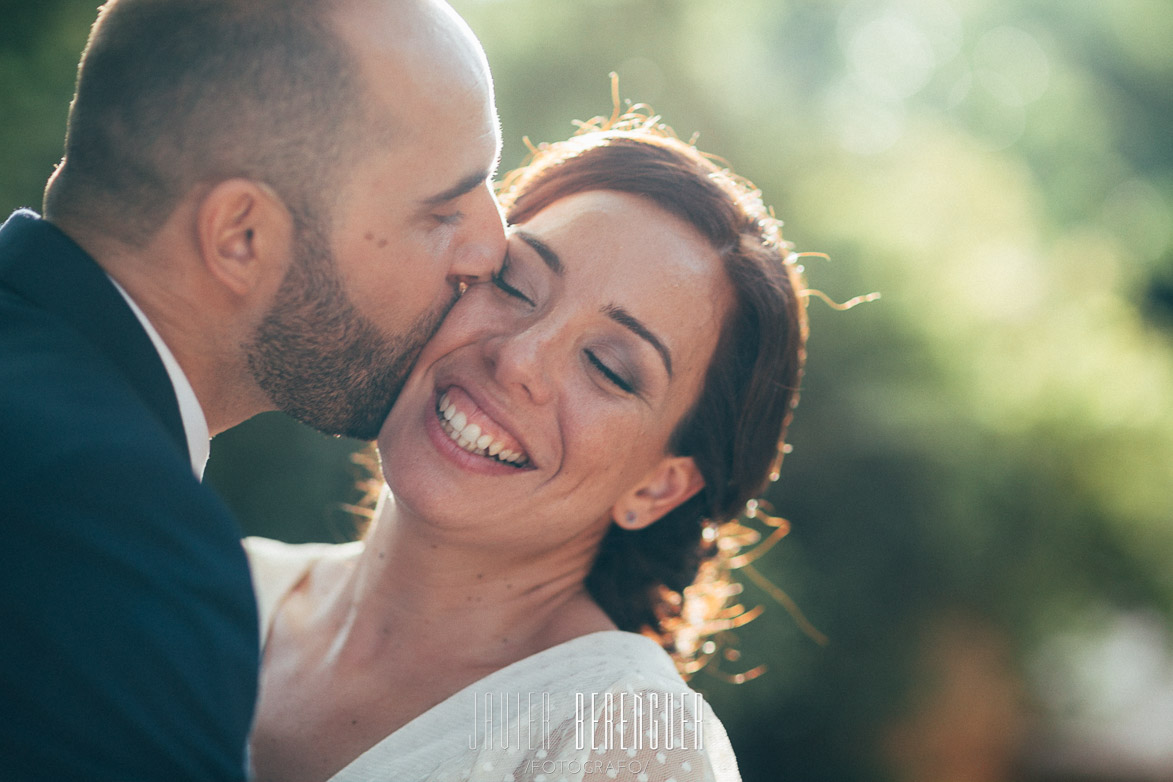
[451, 218]
[499, 279]
[612, 376]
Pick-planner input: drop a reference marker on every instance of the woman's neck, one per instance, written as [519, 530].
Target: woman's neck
[416, 592]
[366, 644]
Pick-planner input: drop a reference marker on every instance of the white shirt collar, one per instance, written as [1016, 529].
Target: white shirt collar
[195, 425]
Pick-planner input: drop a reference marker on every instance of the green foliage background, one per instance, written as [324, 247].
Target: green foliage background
[991, 440]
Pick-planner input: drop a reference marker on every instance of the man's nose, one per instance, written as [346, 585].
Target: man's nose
[482, 244]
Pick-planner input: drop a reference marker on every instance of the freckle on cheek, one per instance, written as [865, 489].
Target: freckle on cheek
[370, 237]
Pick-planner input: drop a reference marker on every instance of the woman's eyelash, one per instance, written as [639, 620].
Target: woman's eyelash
[498, 278]
[610, 374]
[448, 219]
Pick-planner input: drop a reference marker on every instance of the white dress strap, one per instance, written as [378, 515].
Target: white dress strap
[277, 567]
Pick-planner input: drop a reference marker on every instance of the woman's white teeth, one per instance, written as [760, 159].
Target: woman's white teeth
[471, 437]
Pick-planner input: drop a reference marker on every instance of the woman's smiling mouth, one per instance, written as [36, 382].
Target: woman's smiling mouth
[479, 439]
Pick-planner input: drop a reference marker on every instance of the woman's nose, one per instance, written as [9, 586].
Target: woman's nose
[482, 241]
[525, 360]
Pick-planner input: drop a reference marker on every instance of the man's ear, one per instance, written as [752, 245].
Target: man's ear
[245, 234]
[667, 486]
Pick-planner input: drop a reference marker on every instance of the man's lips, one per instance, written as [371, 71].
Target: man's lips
[474, 431]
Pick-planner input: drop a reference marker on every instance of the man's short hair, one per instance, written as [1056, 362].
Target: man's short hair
[175, 93]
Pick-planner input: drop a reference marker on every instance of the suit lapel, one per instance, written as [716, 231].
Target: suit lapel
[44, 266]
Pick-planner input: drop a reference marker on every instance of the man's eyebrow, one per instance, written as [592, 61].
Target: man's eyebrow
[626, 319]
[466, 185]
[548, 256]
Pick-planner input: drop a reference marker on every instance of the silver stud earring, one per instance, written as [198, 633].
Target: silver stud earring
[629, 517]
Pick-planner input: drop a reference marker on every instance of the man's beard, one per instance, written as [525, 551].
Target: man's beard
[320, 360]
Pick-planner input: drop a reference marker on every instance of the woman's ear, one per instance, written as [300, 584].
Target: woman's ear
[669, 485]
[245, 235]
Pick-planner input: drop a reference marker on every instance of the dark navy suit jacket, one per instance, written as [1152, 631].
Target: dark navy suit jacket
[128, 627]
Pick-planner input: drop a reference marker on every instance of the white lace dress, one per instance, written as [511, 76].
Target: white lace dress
[603, 706]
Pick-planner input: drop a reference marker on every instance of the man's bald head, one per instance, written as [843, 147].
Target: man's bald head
[177, 94]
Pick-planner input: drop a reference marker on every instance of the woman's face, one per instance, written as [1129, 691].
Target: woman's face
[550, 392]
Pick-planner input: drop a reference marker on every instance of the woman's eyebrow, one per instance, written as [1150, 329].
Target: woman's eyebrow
[548, 256]
[614, 312]
[626, 319]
